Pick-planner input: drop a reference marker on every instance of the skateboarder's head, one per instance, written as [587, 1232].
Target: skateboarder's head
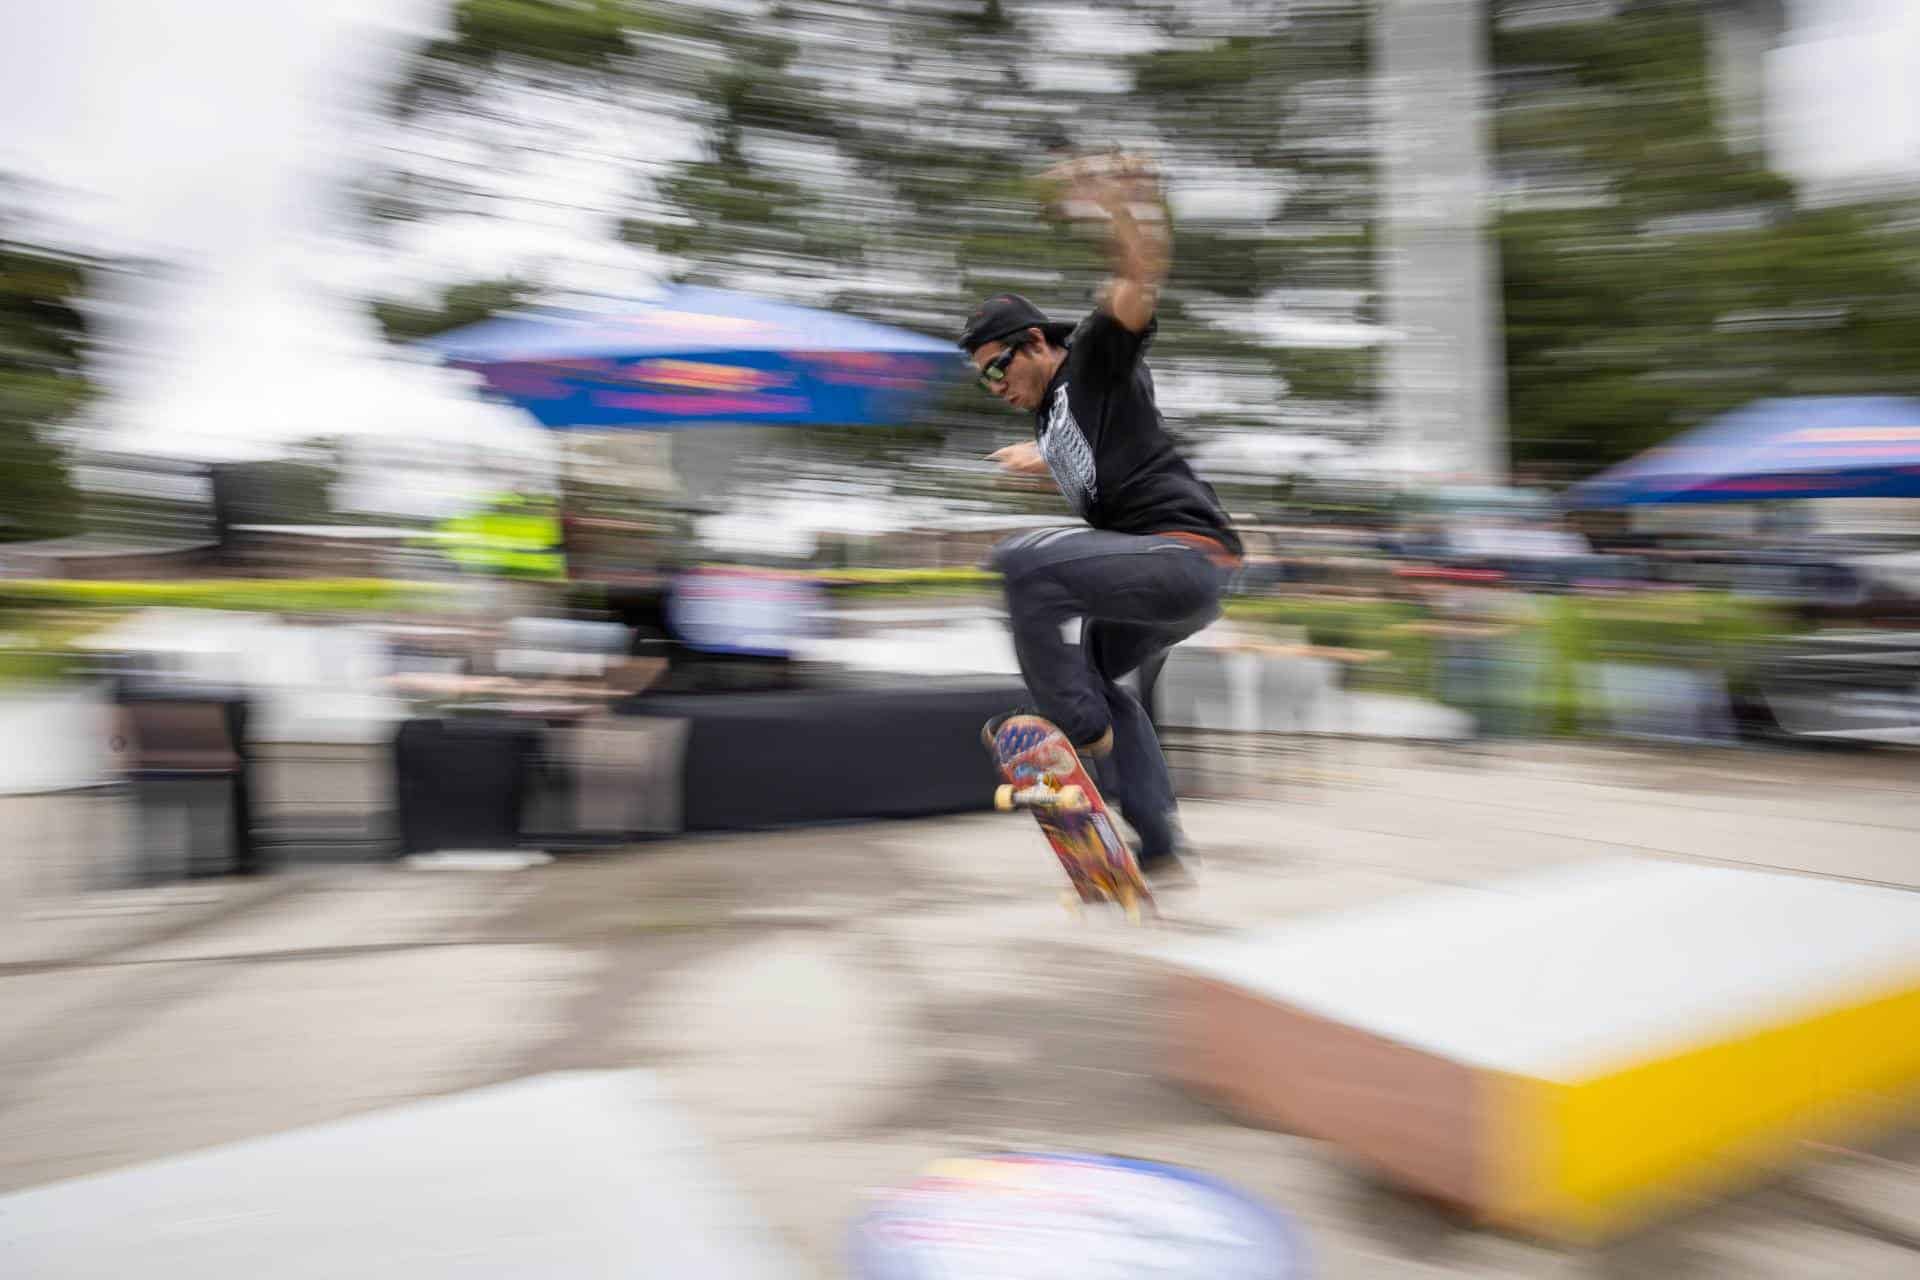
[1014, 348]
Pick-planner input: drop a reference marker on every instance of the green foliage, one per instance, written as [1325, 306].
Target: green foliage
[1679, 628]
[881, 160]
[581, 33]
[1227, 66]
[567, 35]
[36, 646]
[40, 619]
[271, 595]
[1382, 627]
[1696, 285]
[1715, 631]
[869, 583]
[882, 157]
[462, 304]
[42, 383]
[1232, 263]
[1232, 91]
[283, 491]
[1320, 373]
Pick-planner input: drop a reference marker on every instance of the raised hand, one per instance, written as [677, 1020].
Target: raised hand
[1106, 186]
[1120, 193]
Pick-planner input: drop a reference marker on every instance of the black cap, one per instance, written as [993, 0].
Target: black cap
[1008, 313]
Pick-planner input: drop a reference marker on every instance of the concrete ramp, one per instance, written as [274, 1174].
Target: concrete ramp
[1574, 1051]
[571, 1175]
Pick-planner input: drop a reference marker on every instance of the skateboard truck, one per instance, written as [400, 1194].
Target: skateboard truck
[1007, 798]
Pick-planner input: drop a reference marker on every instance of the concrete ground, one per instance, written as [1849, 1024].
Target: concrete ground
[836, 1007]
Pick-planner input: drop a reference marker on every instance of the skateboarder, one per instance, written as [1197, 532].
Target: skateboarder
[1158, 552]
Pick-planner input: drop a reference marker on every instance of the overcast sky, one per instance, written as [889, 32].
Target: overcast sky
[220, 136]
[1846, 103]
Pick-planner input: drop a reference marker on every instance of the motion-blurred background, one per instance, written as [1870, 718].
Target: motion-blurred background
[1437, 265]
[504, 428]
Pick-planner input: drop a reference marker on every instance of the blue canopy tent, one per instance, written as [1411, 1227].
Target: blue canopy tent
[665, 374]
[697, 357]
[680, 365]
[1805, 447]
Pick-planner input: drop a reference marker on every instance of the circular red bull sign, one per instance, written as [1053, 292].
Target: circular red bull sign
[1022, 1216]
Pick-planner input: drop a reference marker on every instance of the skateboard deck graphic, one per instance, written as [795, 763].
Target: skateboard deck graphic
[1043, 773]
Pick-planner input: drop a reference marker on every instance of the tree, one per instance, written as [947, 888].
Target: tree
[878, 159]
[43, 382]
[1654, 277]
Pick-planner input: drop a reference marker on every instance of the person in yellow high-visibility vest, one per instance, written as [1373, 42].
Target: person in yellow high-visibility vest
[515, 536]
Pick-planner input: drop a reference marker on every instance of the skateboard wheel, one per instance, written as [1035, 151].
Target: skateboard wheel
[1071, 798]
[1003, 798]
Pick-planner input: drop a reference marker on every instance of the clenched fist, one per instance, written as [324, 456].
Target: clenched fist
[1021, 459]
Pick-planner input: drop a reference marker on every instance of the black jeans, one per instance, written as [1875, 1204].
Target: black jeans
[1137, 596]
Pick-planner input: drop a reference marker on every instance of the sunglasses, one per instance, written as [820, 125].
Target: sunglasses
[994, 371]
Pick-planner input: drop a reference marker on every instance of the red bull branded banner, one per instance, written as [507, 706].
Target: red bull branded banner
[1027, 1216]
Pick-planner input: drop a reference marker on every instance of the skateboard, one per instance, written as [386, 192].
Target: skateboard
[1043, 773]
